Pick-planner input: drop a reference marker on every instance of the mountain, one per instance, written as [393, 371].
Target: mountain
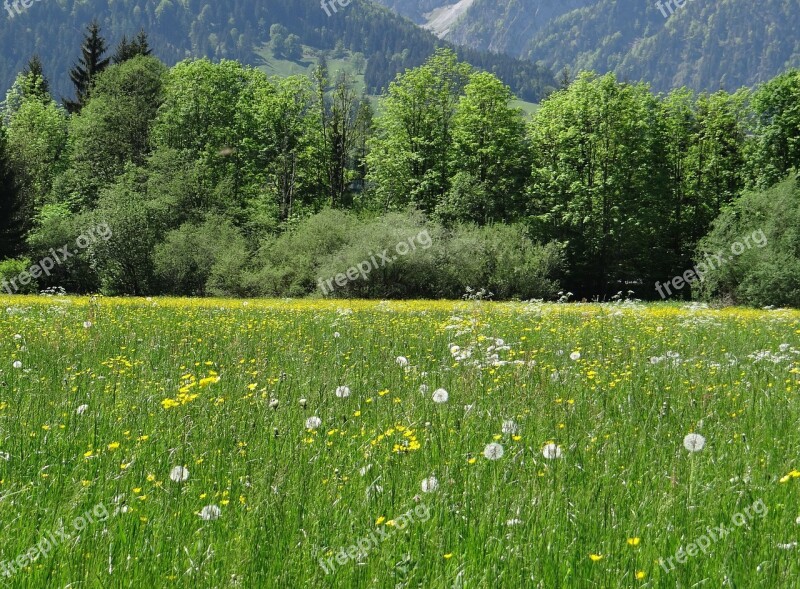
[238, 29]
[704, 45]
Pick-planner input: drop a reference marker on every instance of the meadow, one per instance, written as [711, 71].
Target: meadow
[221, 443]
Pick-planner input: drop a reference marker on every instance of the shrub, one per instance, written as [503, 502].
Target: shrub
[760, 275]
[11, 269]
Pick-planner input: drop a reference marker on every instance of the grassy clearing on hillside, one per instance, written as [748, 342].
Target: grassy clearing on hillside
[106, 406]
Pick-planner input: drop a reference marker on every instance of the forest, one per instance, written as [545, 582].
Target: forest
[215, 179]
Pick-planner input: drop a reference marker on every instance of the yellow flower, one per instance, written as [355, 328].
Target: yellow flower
[169, 403]
[634, 541]
[596, 557]
[640, 575]
[448, 555]
[113, 445]
[380, 520]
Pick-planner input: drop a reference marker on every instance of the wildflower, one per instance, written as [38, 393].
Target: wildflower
[337, 334]
[210, 512]
[179, 474]
[448, 555]
[342, 392]
[596, 557]
[313, 422]
[430, 484]
[634, 541]
[575, 356]
[440, 396]
[303, 403]
[551, 451]
[493, 451]
[402, 361]
[513, 522]
[640, 575]
[87, 324]
[81, 409]
[694, 442]
[510, 427]
[113, 445]
[17, 364]
[273, 403]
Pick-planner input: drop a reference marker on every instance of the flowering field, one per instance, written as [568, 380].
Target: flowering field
[156, 443]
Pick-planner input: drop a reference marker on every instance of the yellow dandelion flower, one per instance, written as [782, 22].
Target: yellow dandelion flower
[596, 557]
[640, 575]
[634, 541]
[113, 446]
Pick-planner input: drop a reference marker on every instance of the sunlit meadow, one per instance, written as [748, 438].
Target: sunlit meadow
[253, 444]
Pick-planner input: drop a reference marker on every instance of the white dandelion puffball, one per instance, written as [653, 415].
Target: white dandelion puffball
[210, 512]
[694, 442]
[430, 484]
[342, 392]
[575, 356]
[440, 396]
[179, 474]
[493, 451]
[784, 347]
[313, 422]
[17, 336]
[17, 364]
[510, 427]
[402, 361]
[87, 324]
[81, 409]
[551, 451]
[337, 334]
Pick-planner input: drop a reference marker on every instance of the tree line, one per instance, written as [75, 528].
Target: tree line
[217, 179]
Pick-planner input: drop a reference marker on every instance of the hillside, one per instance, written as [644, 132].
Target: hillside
[704, 45]
[238, 30]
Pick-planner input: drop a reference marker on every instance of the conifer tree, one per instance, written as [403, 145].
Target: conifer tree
[90, 64]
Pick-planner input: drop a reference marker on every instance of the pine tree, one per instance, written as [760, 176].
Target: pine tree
[11, 224]
[124, 51]
[142, 45]
[90, 64]
[36, 83]
[128, 50]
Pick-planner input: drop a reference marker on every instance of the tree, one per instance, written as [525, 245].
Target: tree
[113, 129]
[292, 48]
[408, 157]
[36, 83]
[598, 182]
[489, 147]
[359, 62]
[90, 64]
[13, 224]
[776, 148]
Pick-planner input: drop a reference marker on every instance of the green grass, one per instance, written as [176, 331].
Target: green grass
[171, 383]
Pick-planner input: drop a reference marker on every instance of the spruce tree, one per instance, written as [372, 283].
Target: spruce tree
[36, 83]
[128, 50]
[90, 64]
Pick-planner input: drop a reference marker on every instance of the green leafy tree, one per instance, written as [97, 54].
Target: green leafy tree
[489, 147]
[408, 157]
[776, 146]
[113, 129]
[598, 182]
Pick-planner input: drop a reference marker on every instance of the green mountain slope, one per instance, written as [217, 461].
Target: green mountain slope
[704, 45]
[238, 29]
